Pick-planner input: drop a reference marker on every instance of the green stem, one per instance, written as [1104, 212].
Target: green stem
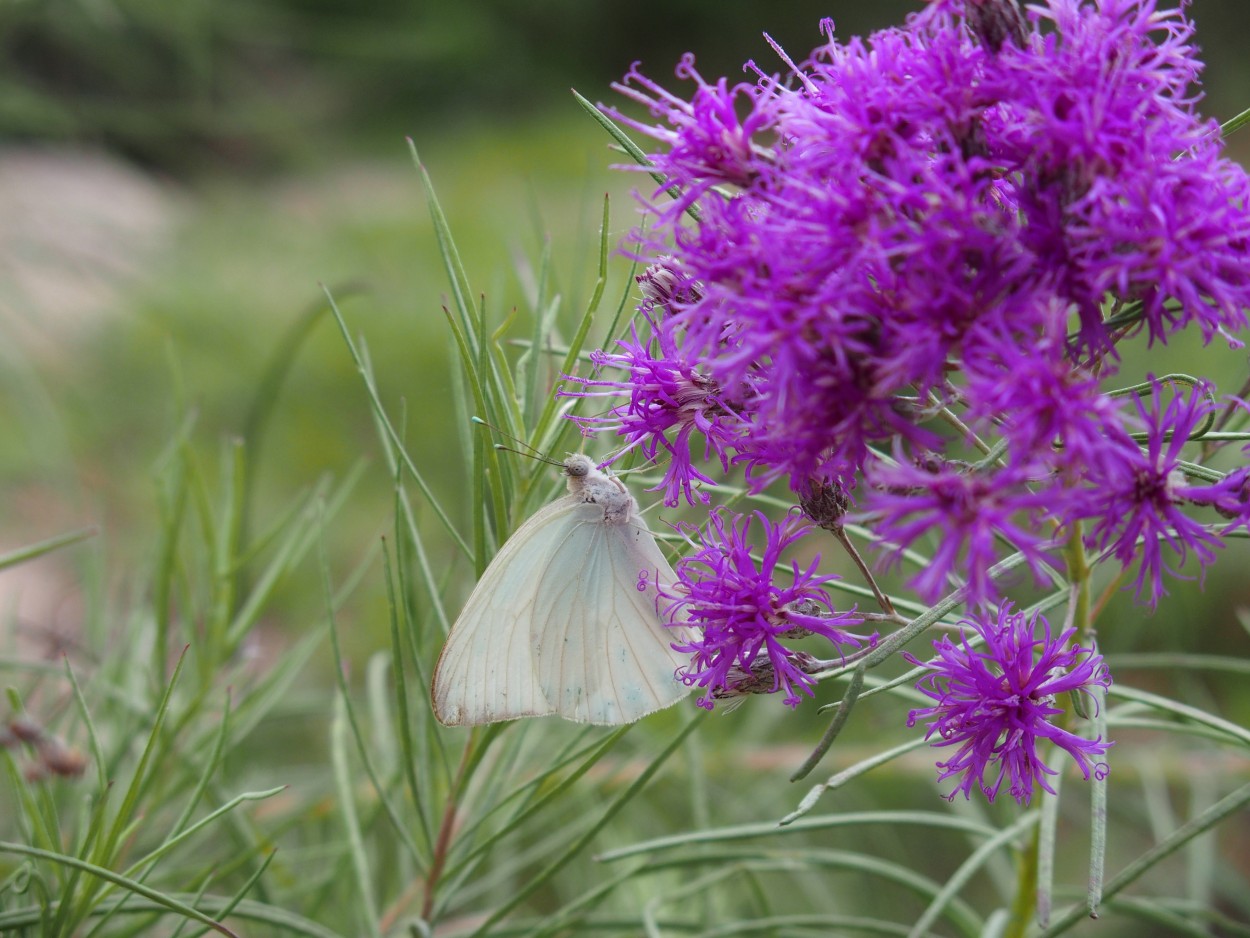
[1078, 576]
[1024, 908]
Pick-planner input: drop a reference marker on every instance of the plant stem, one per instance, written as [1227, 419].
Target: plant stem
[883, 600]
[443, 842]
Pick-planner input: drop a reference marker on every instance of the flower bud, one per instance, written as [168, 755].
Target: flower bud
[996, 22]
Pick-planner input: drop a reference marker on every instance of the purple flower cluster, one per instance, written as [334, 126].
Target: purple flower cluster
[742, 613]
[995, 699]
[921, 241]
[900, 273]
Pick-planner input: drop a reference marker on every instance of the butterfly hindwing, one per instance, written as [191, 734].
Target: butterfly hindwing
[601, 652]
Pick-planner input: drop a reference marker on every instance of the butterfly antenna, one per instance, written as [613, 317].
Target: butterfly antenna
[527, 451]
[531, 455]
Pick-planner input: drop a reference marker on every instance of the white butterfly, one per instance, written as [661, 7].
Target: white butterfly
[558, 625]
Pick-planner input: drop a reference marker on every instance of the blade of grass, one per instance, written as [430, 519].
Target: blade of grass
[347, 808]
[955, 884]
[609, 812]
[549, 793]
[303, 536]
[1227, 806]
[839, 779]
[380, 411]
[542, 425]
[407, 749]
[635, 151]
[456, 275]
[1231, 730]
[821, 822]
[362, 748]
[233, 903]
[31, 551]
[108, 876]
[248, 910]
[107, 848]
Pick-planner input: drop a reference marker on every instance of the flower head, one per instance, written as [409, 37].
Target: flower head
[1139, 500]
[743, 608]
[707, 140]
[968, 511]
[671, 400]
[996, 702]
[940, 199]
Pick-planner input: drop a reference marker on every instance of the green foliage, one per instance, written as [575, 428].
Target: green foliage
[141, 822]
[233, 778]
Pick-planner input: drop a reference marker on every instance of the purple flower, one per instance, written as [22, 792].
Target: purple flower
[939, 199]
[670, 399]
[707, 141]
[1138, 500]
[1122, 182]
[743, 609]
[966, 510]
[997, 701]
[947, 225]
[1048, 407]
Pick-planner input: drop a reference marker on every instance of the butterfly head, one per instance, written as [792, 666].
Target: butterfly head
[590, 484]
[578, 466]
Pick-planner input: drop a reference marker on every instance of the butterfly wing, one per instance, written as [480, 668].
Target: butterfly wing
[486, 671]
[557, 625]
[601, 652]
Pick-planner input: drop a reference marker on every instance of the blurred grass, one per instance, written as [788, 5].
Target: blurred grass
[90, 422]
[197, 329]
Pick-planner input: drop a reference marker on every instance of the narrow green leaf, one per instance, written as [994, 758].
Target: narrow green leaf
[108, 876]
[106, 849]
[380, 411]
[955, 884]
[31, 551]
[635, 151]
[1047, 832]
[610, 811]
[1226, 807]
[1234, 124]
[550, 792]
[840, 716]
[349, 709]
[1231, 730]
[813, 795]
[1098, 816]
[347, 808]
[461, 291]
[247, 910]
[820, 822]
[404, 710]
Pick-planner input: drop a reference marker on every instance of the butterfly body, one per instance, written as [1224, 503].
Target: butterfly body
[564, 621]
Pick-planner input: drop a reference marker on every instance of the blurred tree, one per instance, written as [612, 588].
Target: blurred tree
[259, 83]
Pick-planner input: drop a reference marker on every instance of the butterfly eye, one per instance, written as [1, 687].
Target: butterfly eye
[577, 467]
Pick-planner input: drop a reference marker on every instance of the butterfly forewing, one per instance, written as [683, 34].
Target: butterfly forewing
[486, 671]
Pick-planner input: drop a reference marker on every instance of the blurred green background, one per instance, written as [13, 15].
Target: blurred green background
[177, 179]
